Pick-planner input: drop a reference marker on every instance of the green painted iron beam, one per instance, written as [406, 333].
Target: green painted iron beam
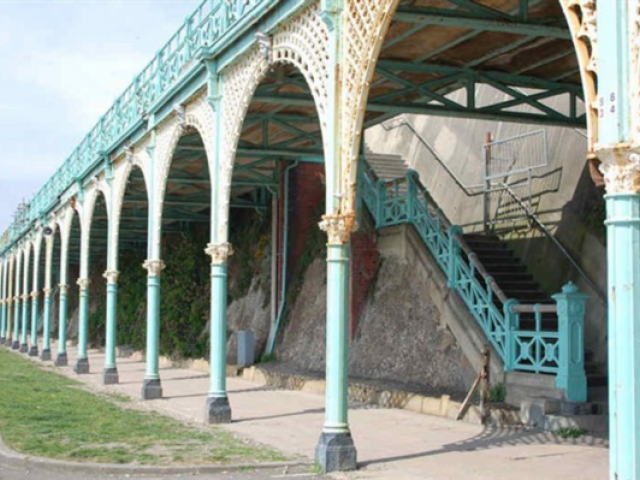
[457, 19]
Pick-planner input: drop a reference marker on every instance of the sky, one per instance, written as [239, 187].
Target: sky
[62, 64]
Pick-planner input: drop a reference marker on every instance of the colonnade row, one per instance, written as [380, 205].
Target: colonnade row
[334, 44]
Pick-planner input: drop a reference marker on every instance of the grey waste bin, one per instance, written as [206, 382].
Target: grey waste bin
[245, 348]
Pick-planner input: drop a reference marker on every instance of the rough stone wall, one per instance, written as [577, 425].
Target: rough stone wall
[399, 335]
[398, 338]
[365, 259]
[250, 312]
[304, 340]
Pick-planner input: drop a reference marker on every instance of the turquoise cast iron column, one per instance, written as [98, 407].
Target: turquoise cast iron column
[336, 450]
[3, 305]
[619, 151]
[46, 316]
[62, 360]
[571, 374]
[46, 326]
[218, 409]
[33, 350]
[16, 308]
[152, 387]
[35, 293]
[623, 262]
[110, 375]
[82, 364]
[24, 348]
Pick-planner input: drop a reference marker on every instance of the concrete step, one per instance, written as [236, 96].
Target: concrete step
[592, 424]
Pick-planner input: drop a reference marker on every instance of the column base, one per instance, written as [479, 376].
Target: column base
[15, 345]
[82, 366]
[62, 360]
[24, 348]
[3, 341]
[33, 351]
[110, 376]
[217, 410]
[336, 452]
[45, 356]
[151, 389]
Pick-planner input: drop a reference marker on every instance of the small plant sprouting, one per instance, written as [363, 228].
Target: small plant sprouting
[570, 432]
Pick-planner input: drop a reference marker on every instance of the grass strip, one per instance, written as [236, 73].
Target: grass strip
[48, 415]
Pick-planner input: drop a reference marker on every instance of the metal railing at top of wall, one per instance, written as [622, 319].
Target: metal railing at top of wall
[561, 352]
[205, 28]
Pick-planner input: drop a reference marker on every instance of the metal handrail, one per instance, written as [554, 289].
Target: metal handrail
[403, 122]
[556, 242]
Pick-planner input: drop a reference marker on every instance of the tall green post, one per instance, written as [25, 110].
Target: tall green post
[218, 409]
[82, 363]
[618, 149]
[35, 293]
[152, 387]
[33, 349]
[16, 306]
[3, 303]
[45, 355]
[62, 360]
[110, 374]
[24, 347]
[336, 450]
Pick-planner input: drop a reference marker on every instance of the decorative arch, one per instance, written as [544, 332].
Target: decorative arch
[303, 43]
[365, 25]
[90, 200]
[197, 115]
[138, 158]
[581, 18]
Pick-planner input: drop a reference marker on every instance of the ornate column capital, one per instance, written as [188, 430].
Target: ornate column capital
[83, 283]
[25, 297]
[338, 227]
[219, 252]
[48, 292]
[154, 267]
[9, 301]
[111, 276]
[35, 294]
[620, 166]
[2, 302]
[64, 288]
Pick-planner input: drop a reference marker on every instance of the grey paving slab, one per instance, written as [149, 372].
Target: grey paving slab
[392, 444]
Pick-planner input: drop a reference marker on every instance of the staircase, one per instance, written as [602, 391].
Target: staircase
[482, 269]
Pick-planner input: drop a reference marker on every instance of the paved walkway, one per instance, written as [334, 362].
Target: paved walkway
[392, 444]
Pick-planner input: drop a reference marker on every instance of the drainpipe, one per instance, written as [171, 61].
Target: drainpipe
[285, 245]
[274, 259]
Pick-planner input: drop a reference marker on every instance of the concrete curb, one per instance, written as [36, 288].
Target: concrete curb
[15, 459]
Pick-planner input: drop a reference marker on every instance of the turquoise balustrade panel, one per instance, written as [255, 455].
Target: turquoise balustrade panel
[406, 201]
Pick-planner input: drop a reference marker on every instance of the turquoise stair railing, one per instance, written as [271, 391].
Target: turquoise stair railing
[535, 349]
